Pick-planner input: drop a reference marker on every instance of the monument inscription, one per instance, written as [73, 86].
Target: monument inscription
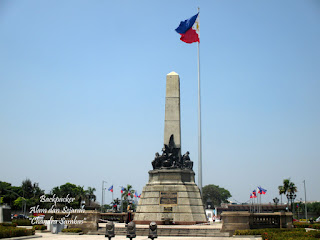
[168, 198]
[167, 209]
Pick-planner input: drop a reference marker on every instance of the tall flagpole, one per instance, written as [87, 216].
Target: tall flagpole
[305, 200]
[199, 117]
[112, 193]
[102, 198]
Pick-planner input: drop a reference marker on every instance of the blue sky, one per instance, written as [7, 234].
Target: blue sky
[82, 92]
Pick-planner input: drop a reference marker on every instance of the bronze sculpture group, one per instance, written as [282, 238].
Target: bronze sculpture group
[170, 158]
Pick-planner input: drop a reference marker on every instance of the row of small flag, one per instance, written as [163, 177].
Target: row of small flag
[122, 189]
[259, 190]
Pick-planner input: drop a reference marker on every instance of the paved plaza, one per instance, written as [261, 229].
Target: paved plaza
[215, 225]
[118, 237]
[101, 237]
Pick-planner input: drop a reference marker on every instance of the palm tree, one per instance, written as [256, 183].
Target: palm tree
[127, 191]
[281, 191]
[288, 188]
[81, 195]
[286, 183]
[90, 194]
[292, 188]
[284, 188]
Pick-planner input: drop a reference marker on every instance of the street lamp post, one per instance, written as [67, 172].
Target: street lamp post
[305, 199]
[291, 197]
[276, 201]
[102, 195]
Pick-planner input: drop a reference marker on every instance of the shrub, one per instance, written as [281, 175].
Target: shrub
[8, 224]
[39, 227]
[249, 232]
[22, 222]
[291, 235]
[261, 231]
[306, 225]
[7, 232]
[72, 230]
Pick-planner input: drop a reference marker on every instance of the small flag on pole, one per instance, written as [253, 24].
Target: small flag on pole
[135, 194]
[122, 189]
[254, 194]
[110, 188]
[261, 190]
[139, 196]
[189, 29]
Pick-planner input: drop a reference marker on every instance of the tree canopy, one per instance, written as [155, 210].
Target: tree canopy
[28, 193]
[216, 194]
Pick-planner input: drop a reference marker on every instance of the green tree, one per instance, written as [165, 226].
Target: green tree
[90, 195]
[314, 207]
[128, 192]
[115, 202]
[73, 191]
[3, 187]
[288, 188]
[286, 183]
[105, 207]
[28, 191]
[127, 195]
[292, 188]
[216, 194]
[281, 191]
[37, 191]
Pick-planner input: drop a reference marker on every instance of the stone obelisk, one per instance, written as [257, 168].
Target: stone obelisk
[171, 195]
[172, 123]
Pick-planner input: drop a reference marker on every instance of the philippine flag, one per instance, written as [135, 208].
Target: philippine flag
[261, 190]
[110, 189]
[251, 196]
[135, 194]
[189, 29]
[254, 194]
[122, 189]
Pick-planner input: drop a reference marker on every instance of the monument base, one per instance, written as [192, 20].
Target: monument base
[170, 197]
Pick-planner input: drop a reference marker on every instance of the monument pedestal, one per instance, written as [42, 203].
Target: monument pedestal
[170, 197]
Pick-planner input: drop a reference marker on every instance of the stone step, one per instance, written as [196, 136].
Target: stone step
[171, 232]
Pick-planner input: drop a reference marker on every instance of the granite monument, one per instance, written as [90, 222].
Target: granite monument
[171, 195]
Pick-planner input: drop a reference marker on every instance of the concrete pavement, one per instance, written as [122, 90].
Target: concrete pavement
[102, 237]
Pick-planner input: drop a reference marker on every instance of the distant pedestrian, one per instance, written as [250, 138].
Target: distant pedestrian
[129, 210]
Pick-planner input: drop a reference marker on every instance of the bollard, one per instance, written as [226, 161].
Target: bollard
[131, 230]
[110, 230]
[153, 230]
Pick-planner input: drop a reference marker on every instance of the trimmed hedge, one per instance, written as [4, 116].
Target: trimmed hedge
[281, 233]
[7, 232]
[306, 225]
[22, 222]
[8, 224]
[291, 235]
[72, 230]
[261, 231]
[39, 227]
